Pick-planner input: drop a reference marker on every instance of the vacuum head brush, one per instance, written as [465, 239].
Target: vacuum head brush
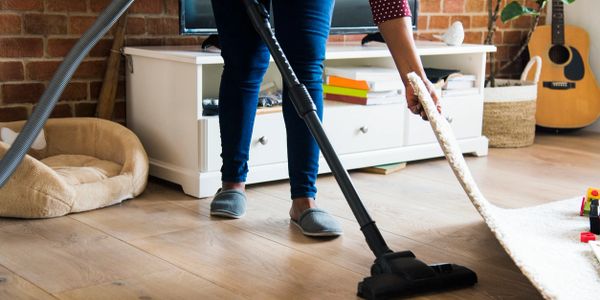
[400, 274]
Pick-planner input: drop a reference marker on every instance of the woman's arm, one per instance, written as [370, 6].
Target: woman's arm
[398, 36]
[392, 18]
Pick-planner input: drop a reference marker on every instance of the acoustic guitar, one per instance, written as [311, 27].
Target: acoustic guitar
[568, 95]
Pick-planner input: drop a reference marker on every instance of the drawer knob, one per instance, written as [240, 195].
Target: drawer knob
[364, 129]
[449, 119]
[263, 140]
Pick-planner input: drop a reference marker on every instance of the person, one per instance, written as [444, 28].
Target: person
[302, 28]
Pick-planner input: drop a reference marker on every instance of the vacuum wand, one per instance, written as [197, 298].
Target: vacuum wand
[306, 109]
[392, 273]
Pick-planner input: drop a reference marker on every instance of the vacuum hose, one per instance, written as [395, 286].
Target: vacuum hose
[40, 114]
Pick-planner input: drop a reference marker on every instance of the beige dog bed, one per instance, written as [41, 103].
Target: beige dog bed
[76, 164]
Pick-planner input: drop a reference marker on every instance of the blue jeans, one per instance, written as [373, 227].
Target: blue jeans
[302, 28]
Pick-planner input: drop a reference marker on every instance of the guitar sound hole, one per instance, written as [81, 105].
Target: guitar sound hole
[559, 54]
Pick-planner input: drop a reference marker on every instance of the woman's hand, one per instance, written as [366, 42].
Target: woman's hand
[413, 101]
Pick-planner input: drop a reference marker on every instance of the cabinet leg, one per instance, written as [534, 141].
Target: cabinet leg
[481, 152]
[200, 188]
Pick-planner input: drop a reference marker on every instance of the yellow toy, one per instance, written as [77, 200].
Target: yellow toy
[592, 194]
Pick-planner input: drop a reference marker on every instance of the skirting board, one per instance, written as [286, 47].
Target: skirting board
[205, 184]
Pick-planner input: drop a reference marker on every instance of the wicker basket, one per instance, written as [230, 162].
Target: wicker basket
[509, 111]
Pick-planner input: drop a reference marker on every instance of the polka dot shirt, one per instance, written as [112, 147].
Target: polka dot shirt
[384, 10]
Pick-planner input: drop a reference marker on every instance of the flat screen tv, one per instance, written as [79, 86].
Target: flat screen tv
[349, 17]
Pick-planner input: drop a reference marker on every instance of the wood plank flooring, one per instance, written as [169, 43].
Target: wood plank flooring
[164, 245]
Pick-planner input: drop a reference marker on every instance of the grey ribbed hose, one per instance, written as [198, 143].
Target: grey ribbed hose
[38, 118]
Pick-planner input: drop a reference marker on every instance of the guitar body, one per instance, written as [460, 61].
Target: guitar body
[568, 95]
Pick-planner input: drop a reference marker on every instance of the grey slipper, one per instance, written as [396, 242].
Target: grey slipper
[317, 222]
[229, 204]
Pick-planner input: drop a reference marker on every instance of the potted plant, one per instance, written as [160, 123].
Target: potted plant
[509, 105]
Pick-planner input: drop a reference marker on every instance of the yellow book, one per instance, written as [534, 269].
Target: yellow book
[329, 89]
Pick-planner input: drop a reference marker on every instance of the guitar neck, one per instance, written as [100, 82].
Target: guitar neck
[558, 23]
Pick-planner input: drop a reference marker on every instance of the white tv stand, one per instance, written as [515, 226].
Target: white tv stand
[166, 85]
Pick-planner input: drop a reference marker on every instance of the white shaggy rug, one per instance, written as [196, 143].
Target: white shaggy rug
[542, 240]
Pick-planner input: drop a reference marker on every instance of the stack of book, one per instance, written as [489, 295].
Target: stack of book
[363, 85]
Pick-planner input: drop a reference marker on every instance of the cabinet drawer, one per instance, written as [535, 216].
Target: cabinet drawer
[359, 128]
[465, 114]
[268, 144]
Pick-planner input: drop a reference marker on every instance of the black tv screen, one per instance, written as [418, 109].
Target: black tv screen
[349, 16]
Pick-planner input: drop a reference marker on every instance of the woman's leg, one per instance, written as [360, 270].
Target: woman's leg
[302, 28]
[246, 61]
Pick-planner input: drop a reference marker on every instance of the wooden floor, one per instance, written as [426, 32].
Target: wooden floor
[164, 245]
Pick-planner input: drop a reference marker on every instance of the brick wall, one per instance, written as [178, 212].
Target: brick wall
[435, 16]
[35, 35]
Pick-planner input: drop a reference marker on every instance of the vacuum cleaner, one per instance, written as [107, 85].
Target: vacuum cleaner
[393, 274]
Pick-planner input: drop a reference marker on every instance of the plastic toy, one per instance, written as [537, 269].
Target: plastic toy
[592, 194]
[587, 236]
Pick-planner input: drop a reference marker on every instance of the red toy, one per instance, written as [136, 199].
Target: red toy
[587, 236]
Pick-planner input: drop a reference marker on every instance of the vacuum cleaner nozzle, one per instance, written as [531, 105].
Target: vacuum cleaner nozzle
[398, 274]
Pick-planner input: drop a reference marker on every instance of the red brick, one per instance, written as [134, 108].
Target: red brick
[9, 114]
[75, 91]
[85, 109]
[102, 49]
[147, 7]
[79, 24]
[61, 111]
[172, 7]
[21, 47]
[474, 37]
[439, 22]
[498, 36]
[91, 70]
[66, 5]
[136, 25]
[162, 26]
[11, 71]
[99, 5]
[475, 6]
[454, 6]
[44, 70]
[95, 88]
[10, 24]
[22, 92]
[479, 21]
[190, 40]
[502, 53]
[465, 20]
[426, 6]
[522, 22]
[144, 41]
[512, 37]
[422, 22]
[59, 47]
[502, 25]
[45, 24]
[41, 70]
[37, 5]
